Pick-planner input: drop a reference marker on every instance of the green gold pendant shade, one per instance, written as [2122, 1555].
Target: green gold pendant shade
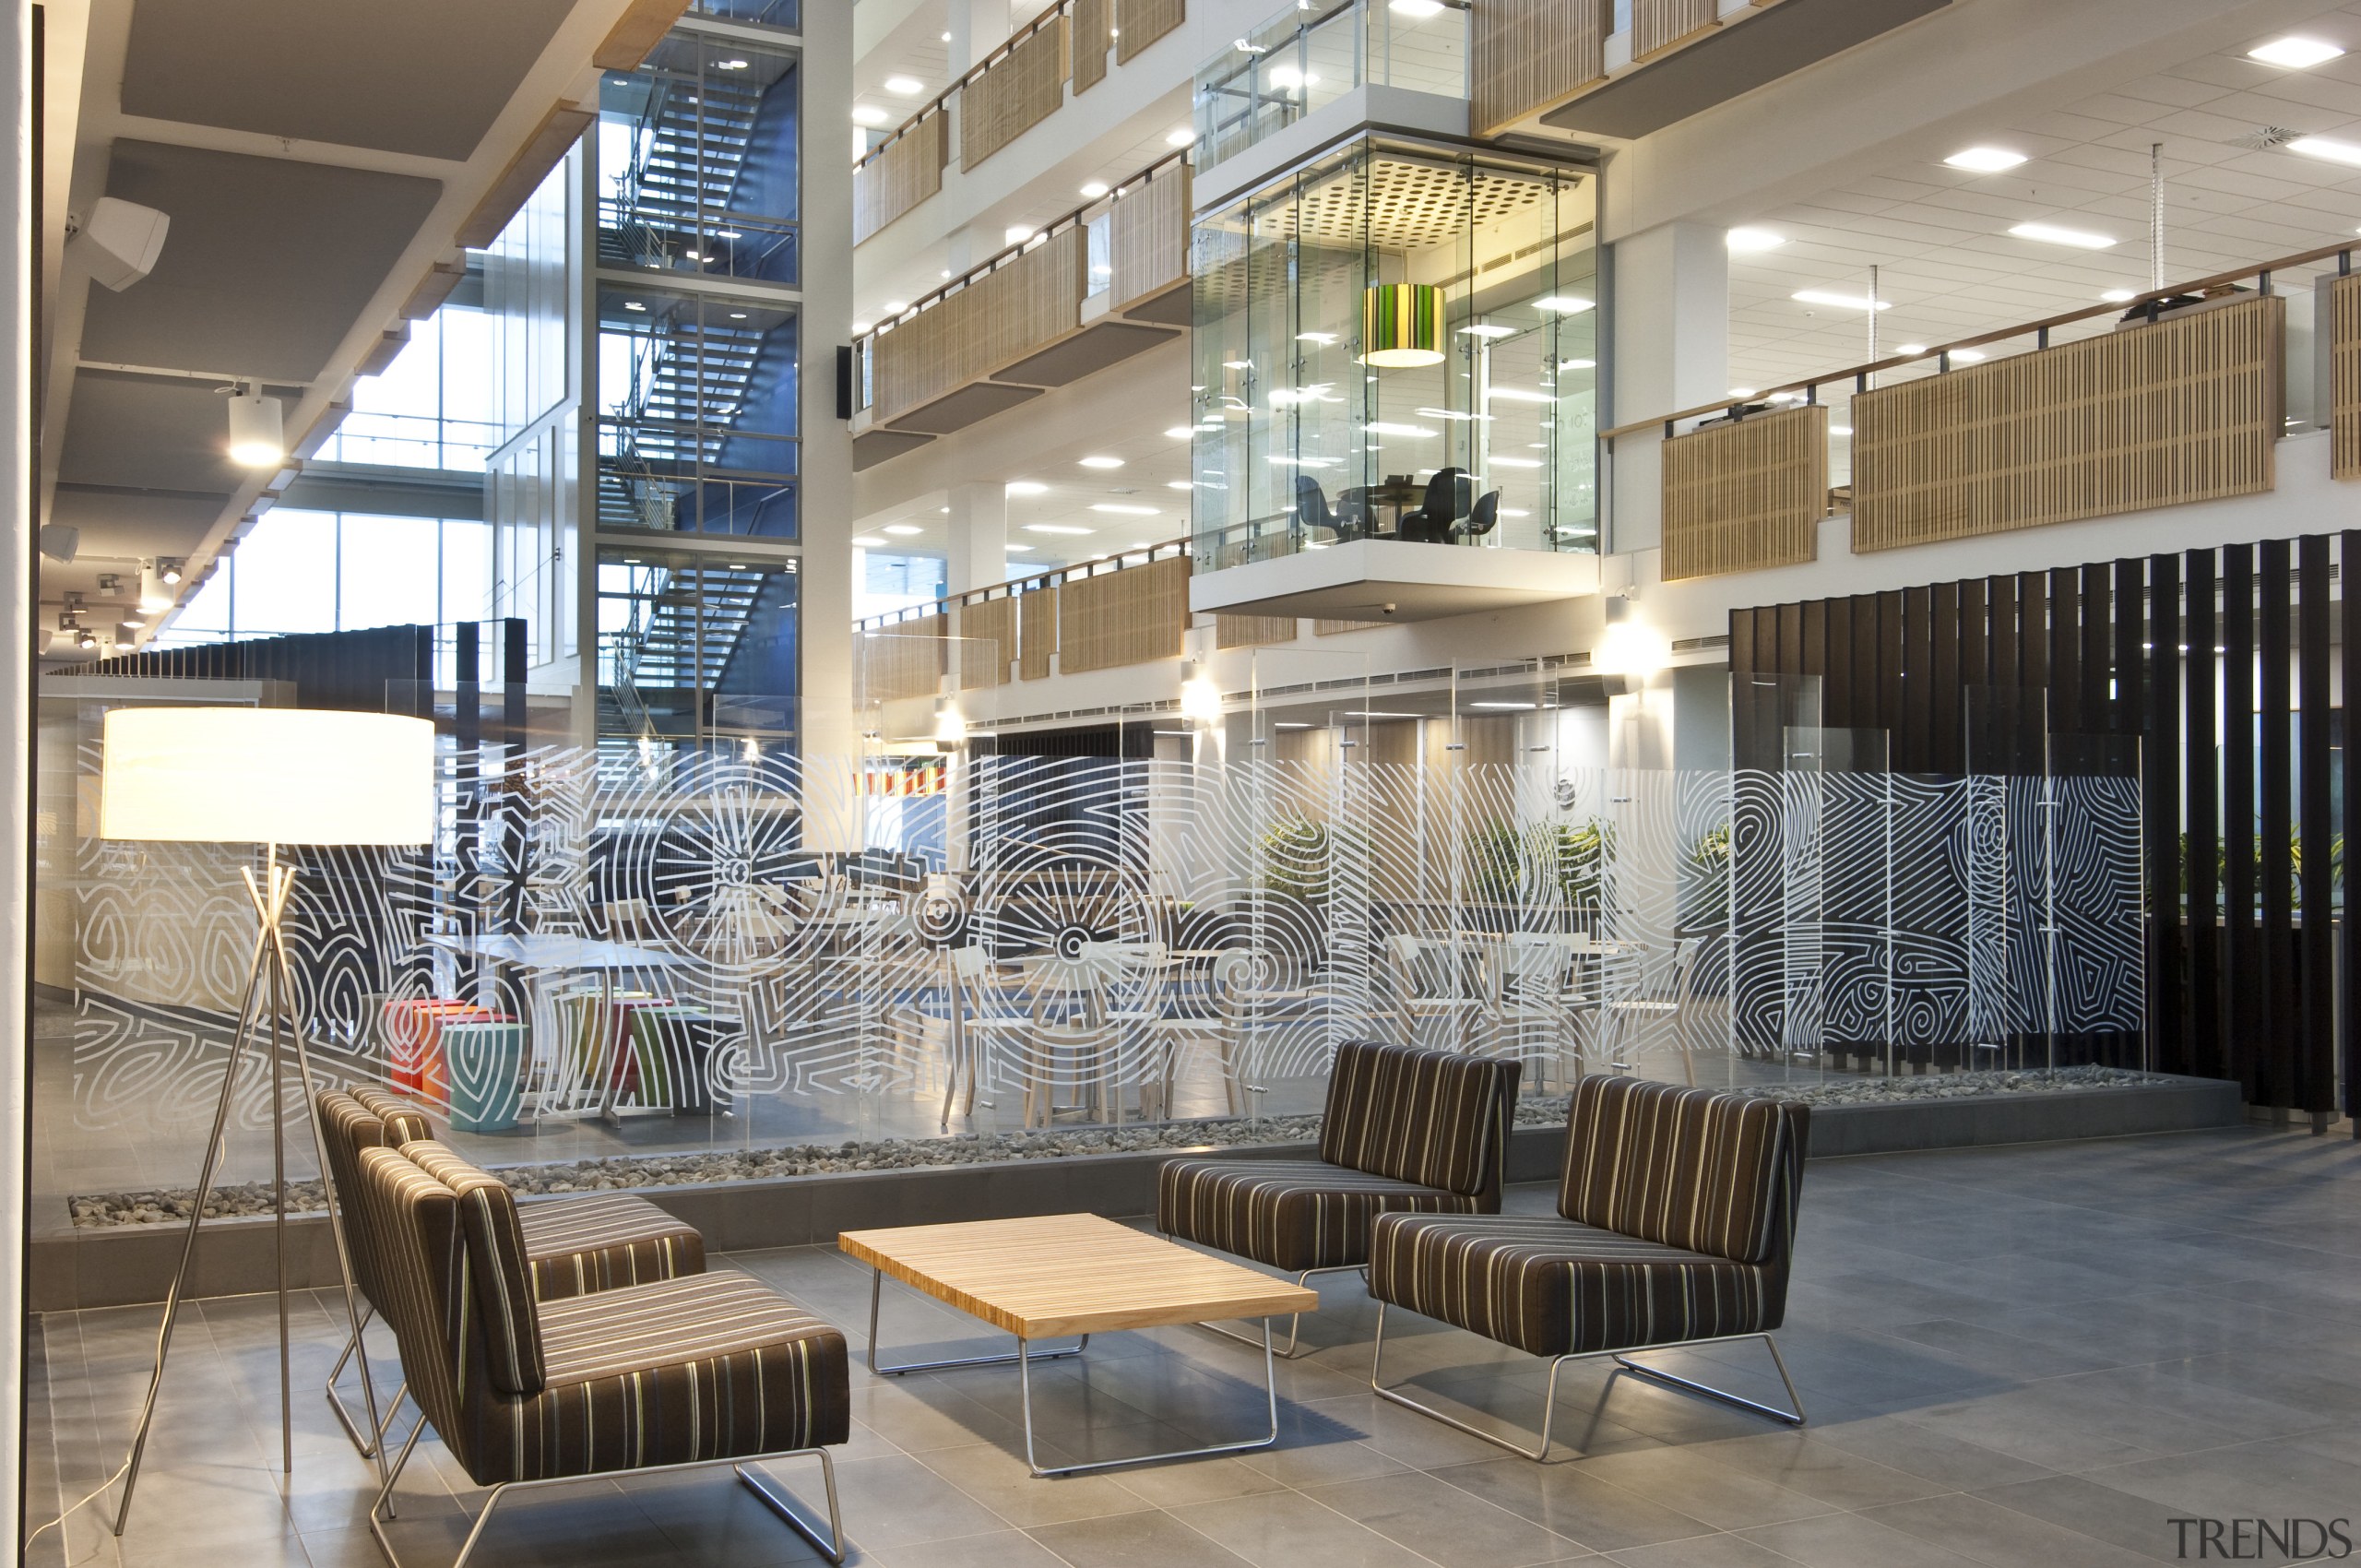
[1401, 326]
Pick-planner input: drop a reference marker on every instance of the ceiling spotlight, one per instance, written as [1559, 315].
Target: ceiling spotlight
[1967, 356]
[1102, 462]
[902, 530]
[1180, 136]
[2295, 53]
[1910, 348]
[1181, 431]
[1984, 160]
[730, 64]
[1016, 233]
[868, 543]
[946, 38]
[1055, 527]
[1564, 305]
[256, 439]
[634, 305]
[896, 307]
[904, 87]
[1839, 302]
[2079, 239]
[1752, 242]
[869, 114]
[859, 328]
[1092, 190]
[1741, 392]
[1025, 487]
[1118, 509]
[1178, 484]
[2118, 296]
[168, 567]
[1488, 329]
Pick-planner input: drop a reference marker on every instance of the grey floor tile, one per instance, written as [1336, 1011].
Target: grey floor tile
[2090, 1507]
[1684, 1479]
[1151, 1540]
[2000, 1538]
[1452, 1527]
[1290, 1529]
[898, 1501]
[1702, 1551]
[1567, 1500]
[1002, 1549]
[1850, 1540]
[999, 1479]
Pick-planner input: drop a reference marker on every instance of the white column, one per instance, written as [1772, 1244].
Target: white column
[830, 731]
[977, 28]
[978, 535]
[1671, 350]
[16, 705]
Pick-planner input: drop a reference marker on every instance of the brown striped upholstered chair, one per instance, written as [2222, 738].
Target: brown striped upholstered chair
[1406, 1131]
[1676, 1220]
[573, 1245]
[705, 1369]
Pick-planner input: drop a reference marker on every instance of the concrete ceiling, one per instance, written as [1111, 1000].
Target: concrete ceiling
[423, 76]
[316, 161]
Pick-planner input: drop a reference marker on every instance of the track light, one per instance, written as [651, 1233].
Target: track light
[256, 438]
[169, 569]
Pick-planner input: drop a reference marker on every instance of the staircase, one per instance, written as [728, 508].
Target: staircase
[693, 139]
[676, 652]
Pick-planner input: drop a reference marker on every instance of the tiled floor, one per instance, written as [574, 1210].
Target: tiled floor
[2022, 1358]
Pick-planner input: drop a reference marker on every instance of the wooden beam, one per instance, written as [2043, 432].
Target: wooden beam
[558, 129]
[641, 27]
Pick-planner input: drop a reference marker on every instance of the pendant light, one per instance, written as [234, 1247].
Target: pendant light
[1401, 326]
[256, 438]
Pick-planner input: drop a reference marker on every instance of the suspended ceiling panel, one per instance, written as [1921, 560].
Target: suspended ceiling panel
[420, 77]
[1730, 61]
[267, 265]
[963, 408]
[1393, 580]
[149, 434]
[1091, 349]
[1402, 206]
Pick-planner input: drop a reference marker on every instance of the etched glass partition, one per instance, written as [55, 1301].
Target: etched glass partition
[676, 951]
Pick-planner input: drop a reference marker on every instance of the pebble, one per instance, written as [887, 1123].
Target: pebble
[98, 1210]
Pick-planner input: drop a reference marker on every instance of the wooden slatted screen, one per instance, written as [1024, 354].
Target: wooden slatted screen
[1013, 94]
[1037, 633]
[1528, 55]
[1740, 497]
[1253, 631]
[995, 622]
[1149, 236]
[1030, 300]
[1337, 628]
[2344, 377]
[1659, 24]
[1127, 617]
[905, 661]
[1088, 42]
[2186, 409]
[898, 176]
[1141, 22]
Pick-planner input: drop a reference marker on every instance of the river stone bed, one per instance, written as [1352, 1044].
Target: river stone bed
[163, 1206]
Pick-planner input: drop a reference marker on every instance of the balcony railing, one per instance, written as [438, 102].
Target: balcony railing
[1124, 253]
[1021, 83]
[1301, 59]
[2175, 396]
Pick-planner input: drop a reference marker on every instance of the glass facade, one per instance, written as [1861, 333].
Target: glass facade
[1397, 342]
[1308, 57]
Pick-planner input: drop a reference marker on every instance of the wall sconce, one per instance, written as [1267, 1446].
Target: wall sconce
[1200, 698]
[1631, 649]
[1401, 326]
[950, 725]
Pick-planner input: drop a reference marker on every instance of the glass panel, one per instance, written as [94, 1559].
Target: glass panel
[698, 162]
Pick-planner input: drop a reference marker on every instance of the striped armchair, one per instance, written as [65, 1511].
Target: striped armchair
[573, 1245]
[1405, 1132]
[701, 1370]
[1676, 1222]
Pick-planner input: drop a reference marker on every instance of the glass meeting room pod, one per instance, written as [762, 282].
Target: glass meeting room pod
[1397, 340]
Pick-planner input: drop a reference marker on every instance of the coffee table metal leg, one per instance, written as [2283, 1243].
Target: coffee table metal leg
[1025, 1391]
[876, 1289]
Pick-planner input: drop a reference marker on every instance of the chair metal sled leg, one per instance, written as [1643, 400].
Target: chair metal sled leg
[1792, 1417]
[830, 1545]
[1295, 1321]
[364, 1444]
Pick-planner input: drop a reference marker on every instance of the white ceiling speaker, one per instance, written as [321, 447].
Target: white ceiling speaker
[257, 440]
[60, 542]
[119, 242]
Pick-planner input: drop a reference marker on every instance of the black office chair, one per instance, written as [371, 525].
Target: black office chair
[1432, 523]
[1311, 508]
[1481, 518]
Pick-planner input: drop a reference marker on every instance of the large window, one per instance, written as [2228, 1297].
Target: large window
[434, 408]
[339, 571]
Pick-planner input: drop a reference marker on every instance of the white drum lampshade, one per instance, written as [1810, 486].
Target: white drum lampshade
[266, 776]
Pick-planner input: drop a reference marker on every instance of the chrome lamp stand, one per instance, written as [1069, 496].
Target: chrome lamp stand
[266, 971]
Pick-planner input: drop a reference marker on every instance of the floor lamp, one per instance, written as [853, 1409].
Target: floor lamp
[268, 776]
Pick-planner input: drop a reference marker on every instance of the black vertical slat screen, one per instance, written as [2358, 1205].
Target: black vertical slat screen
[2241, 1002]
[2348, 562]
[2207, 1057]
[2159, 803]
[2315, 1042]
[2273, 869]
[2216, 673]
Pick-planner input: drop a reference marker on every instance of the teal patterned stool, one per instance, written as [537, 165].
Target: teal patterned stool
[487, 1068]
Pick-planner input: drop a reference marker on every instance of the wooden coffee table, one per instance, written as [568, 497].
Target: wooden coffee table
[1069, 1274]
